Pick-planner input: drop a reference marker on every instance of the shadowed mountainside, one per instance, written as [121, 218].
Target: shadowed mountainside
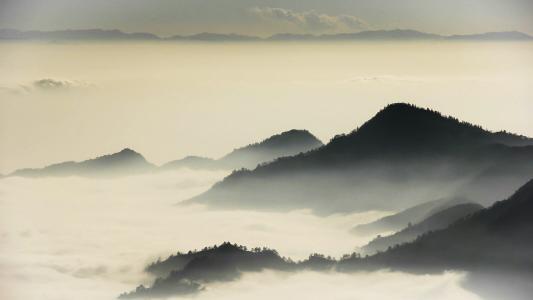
[399, 158]
[412, 215]
[439, 220]
[125, 162]
[284, 144]
[499, 237]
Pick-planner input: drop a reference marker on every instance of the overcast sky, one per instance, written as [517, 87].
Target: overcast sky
[255, 17]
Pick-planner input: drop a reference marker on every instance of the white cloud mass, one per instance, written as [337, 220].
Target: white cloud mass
[89, 239]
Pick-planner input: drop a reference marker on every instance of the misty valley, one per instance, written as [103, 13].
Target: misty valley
[409, 198]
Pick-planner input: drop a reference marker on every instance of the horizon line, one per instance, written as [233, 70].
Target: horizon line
[274, 36]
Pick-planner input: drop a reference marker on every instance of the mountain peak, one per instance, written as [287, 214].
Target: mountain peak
[293, 135]
[124, 155]
[287, 143]
[128, 151]
[405, 109]
[402, 126]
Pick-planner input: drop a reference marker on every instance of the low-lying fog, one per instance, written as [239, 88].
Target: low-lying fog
[75, 238]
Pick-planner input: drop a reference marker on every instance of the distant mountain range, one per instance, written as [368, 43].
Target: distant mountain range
[125, 162]
[496, 239]
[85, 34]
[401, 157]
[129, 162]
[287, 143]
[396, 34]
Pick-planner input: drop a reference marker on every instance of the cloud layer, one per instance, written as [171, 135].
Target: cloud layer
[129, 222]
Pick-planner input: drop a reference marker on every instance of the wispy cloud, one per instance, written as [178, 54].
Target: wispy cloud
[57, 84]
[48, 83]
[311, 20]
[45, 84]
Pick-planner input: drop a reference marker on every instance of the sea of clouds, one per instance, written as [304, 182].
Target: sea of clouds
[77, 238]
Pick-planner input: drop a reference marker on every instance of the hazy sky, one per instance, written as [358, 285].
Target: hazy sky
[167, 17]
[73, 101]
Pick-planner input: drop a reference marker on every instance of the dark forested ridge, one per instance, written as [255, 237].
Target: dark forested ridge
[402, 156]
[186, 273]
[287, 143]
[125, 162]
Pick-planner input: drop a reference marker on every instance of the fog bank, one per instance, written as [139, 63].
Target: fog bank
[65, 238]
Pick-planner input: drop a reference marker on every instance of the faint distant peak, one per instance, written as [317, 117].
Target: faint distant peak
[75, 34]
[221, 37]
[499, 35]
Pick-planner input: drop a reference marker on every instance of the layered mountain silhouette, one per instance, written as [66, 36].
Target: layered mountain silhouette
[125, 162]
[395, 34]
[129, 162]
[497, 238]
[401, 157]
[494, 240]
[284, 144]
[439, 220]
[411, 215]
